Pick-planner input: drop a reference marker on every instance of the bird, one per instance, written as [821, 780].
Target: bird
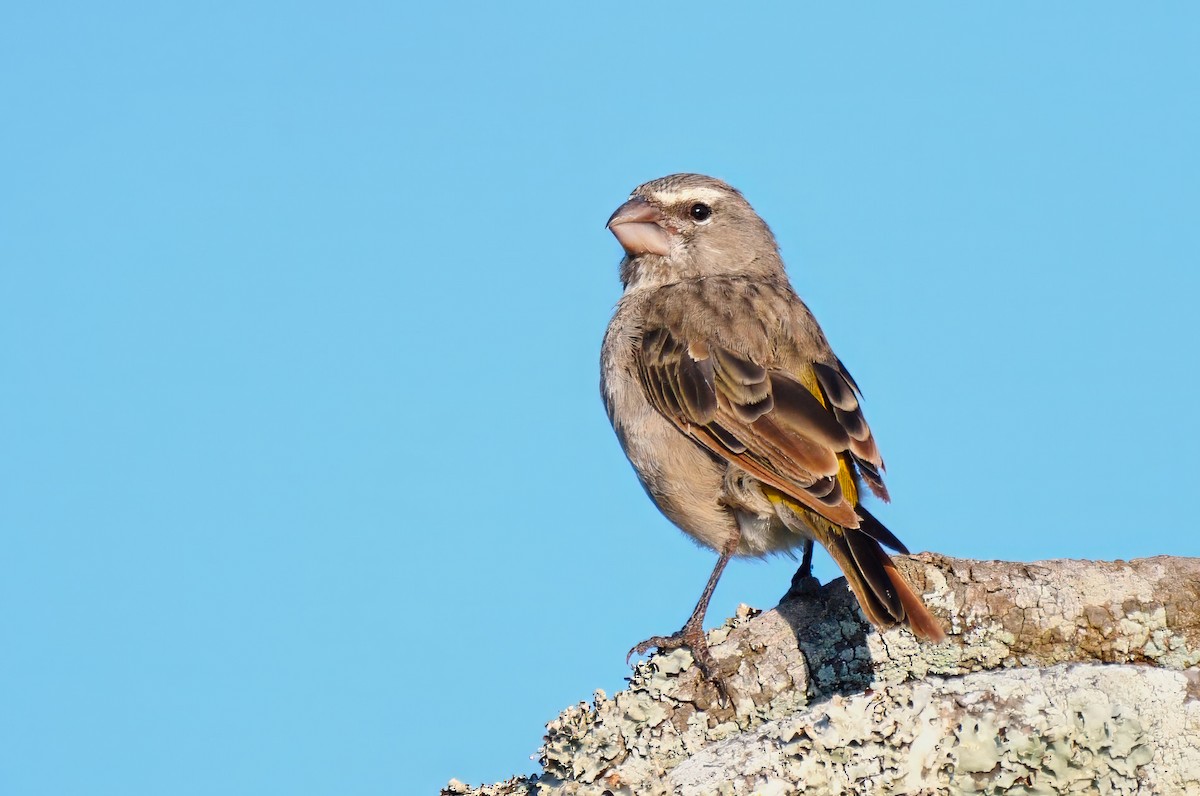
[742, 425]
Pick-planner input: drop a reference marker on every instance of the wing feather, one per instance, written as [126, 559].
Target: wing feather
[766, 420]
[842, 394]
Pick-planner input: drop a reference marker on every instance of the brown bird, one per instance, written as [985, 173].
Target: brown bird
[742, 424]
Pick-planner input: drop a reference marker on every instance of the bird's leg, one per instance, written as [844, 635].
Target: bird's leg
[803, 582]
[805, 570]
[691, 636]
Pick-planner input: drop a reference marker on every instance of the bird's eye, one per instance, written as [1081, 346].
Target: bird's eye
[700, 211]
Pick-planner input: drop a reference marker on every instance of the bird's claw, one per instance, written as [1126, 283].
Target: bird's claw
[661, 643]
[692, 639]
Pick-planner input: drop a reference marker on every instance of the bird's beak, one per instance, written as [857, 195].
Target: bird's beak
[639, 228]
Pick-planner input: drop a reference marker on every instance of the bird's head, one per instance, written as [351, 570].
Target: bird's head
[688, 226]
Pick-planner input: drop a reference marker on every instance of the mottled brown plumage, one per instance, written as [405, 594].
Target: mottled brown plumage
[743, 426]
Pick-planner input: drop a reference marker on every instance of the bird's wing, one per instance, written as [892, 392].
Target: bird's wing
[799, 429]
[840, 394]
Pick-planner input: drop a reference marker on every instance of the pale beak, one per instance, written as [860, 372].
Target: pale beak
[638, 227]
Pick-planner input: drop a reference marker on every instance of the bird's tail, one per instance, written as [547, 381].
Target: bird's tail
[882, 592]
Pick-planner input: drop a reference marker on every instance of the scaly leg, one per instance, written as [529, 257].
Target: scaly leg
[803, 582]
[805, 570]
[691, 636]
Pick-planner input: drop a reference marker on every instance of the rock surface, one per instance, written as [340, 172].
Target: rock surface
[1057, 677]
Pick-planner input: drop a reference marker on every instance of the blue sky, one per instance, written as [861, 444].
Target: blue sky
[306, 484]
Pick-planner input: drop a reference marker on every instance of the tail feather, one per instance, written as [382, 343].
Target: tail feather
[922, 623]
[867, 591]
[869, 566]
[878, 531]
[882, 592]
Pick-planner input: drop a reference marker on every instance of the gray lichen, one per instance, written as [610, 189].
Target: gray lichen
[1015, 702]
[1070, 728]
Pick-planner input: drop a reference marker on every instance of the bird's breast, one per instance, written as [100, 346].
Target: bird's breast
[685, 481]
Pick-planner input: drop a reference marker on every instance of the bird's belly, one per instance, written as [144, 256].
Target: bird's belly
[682, 480]
[689, 485]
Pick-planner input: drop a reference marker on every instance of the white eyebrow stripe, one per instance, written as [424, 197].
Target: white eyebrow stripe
[697, 194]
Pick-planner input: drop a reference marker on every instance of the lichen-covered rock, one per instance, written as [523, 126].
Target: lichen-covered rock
[1069, 728]
[825, 704]
[517, 786]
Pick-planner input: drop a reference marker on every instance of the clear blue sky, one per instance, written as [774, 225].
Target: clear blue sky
[306, 486]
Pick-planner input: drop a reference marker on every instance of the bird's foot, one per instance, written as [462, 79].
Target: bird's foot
[690, 637]
[803, 582]
[803, 585]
